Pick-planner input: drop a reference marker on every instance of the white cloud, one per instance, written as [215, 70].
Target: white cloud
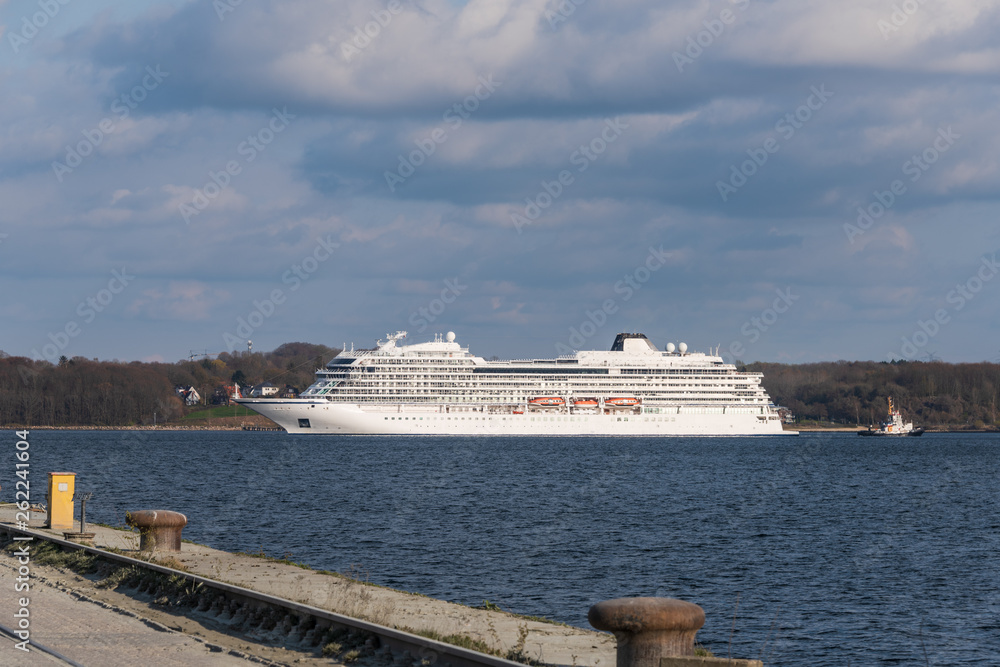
[655, 184]
[185, 300]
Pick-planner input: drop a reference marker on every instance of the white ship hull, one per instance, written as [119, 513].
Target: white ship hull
[440, 388]
[320, 417]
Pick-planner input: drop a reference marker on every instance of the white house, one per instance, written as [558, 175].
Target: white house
[189, 395]
[264, 390]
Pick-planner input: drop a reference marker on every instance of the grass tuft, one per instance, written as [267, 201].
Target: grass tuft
[463, 641]
[172, 563]
[488, 606]
[48, 553]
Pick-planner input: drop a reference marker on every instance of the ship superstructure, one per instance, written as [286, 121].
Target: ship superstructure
[439, 387]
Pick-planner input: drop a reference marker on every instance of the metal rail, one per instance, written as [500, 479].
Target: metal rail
[41, 647]
[442, 654]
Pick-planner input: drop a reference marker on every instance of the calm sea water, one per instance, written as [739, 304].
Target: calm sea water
[839, 548]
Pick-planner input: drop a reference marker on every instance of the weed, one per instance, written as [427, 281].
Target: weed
[493, 633]
[172, 563]
[254, 554]
[463, 641]
[486, 605]
[357, 574]
[47, 553]
[194, 589]
[285, 560]
[516, 652]
[357, 598]
[351, 656]
[541, 619]
[118, 577]
[702, 652]
[332, 649]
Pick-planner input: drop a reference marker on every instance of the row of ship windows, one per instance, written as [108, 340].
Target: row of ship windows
[486, 394]
[563, 418]
[539, 388]
[520, 372]
[574, 418]
[549, 385]
[534, 367]
[514, 380]
[514, 399]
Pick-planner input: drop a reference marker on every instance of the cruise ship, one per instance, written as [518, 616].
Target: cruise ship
[439, 388]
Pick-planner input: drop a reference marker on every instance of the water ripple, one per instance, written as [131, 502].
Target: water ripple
[873, 552]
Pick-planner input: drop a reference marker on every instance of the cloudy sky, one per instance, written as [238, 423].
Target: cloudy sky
[792, 181]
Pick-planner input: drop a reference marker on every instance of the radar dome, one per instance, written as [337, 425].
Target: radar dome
[671, 348]
[450, 337]
[682, 348]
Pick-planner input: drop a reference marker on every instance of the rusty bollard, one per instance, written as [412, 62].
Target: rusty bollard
[648, 629]
[159, 530]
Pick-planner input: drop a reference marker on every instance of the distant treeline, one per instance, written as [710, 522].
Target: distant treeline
[83, 392]
[931, 394]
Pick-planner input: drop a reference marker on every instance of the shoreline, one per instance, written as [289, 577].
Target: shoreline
[171, 427]
[855, 429]
[257, 427]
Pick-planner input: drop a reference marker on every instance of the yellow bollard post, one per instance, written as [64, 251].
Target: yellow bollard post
[61, 487]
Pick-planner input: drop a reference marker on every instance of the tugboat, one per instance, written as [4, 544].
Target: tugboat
[893, 425]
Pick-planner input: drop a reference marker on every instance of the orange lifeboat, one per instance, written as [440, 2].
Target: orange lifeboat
[547, 402]
[585, 403]
[622, 401]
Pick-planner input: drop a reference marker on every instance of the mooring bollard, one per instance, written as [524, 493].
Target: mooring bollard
[648, 629]
[159, 530]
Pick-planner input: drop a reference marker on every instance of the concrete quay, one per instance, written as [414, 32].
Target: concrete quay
[532, 640]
